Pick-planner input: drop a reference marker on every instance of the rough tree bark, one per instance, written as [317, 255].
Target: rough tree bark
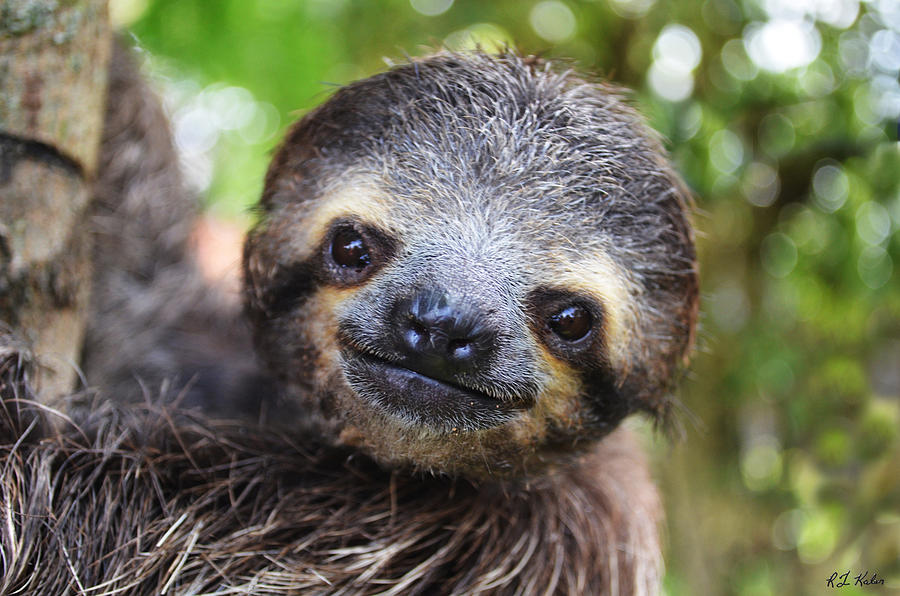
[53, 68]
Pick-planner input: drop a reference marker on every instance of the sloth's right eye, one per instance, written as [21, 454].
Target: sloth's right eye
[349, 250]
[571, 323]
[353, 251]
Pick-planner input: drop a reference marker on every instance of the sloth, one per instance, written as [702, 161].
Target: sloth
[467, 271]
[471, 264]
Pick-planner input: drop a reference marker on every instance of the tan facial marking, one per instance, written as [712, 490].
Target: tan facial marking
[558, 405]
[321, 321]
[602, 278]
[357, 200]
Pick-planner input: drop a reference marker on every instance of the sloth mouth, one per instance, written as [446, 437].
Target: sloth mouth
[420, 400]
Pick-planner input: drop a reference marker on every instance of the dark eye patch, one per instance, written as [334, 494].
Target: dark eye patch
[286, 290]
[350, 253]
[570, 325]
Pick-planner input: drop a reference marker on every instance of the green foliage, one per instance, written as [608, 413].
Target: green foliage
[793, 470]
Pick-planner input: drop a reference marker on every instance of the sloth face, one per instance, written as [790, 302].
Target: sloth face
[470, 266]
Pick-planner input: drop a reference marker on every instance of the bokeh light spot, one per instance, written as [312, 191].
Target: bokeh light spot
[888, 12]
[761, 465]
[779, 254]
[553, 20]
[760, 185]
[873, 222]
[230, 108]
[875, 267]
[853, 52]
[676, 53]
[810, 230]
[884, 51]
[690, 121]
[670, 85]
[122, 13]
[780, 45]
[726, 151]
[818, 537]
[431, 8]
[631, 9]
[817, 80]
[833, 446]
[786, 529]
[884, 97]
[262, 126]
[840, 14]
[736, 61]
[677, 48]
[864, 105]
[487, 36]
[837, 13]
[831, 187]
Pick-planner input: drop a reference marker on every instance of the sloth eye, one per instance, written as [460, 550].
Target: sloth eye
[349, 250]
[571, 323]
[352, 252]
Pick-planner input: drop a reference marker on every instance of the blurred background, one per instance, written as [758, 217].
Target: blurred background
[782, 115]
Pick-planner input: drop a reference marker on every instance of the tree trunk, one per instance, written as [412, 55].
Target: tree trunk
[53, 69]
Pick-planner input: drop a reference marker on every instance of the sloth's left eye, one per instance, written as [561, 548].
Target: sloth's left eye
[348, 249]
[571, 323]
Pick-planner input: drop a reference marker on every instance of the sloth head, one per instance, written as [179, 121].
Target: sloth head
[472, 264]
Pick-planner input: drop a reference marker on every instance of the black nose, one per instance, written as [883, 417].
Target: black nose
[439, 338]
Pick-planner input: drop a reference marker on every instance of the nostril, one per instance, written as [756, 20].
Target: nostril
[461, 349]
[416, 334]
[418, 327]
